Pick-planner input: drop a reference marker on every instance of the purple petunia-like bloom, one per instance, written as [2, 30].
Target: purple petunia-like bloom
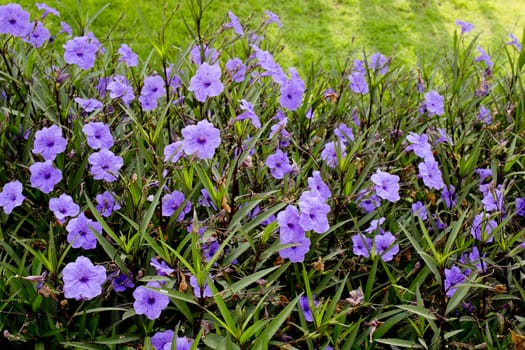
[297, 252]
[368, 201]
[164, 341]
[386, 185]
[520, 206]
[44, 176]
[150, 302]
[484, 115]
[47, 10]
[236, 69]
[81, 51]
[210, 54]
[361, 245]
[430, 173]
[80, 232]
[279, 164]
[465, 26]
[358, 83]
[248, 113]
[119, 87]
[83, 280]
[384, 246]
[201, 291]
[270, 67]
[201, 140]
[161, 267]
[305, 307]
[288, 221]
[453, 277]
[329, 153]
[235, 24]
[206, 82]
[492, 198]
[420, 210]
[344, 133]
[14, 20]
[49, 142]
[420, 145]
[152, 90]
[122, 282]
[105, 165]
[106, 203]
[128, 56]
[449, 196]
[66, 28]
[273, 18]
[98, 135]
[314, 212]
[514, 42]
[38, 36]
[173, 152]
[378, 63]
[63, 207]
[483, 56]
[482, 228]
[172, 201]
[434, 103]
[316, 183]
[11, 196]
[89, 105]
[292, 91]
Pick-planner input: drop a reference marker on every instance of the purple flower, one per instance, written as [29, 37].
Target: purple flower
[128, 56]
[152, 89]
[358, 83]
[420, 210]
[98, 135]
[368, 204]
[205, 199]
[273, 18]
[171, 202]
[66, 28]
[44, 176]
[483, 173]
[49, 142]
[203, 291]
[161, 267]
[248, 113]
[449, 196]
[305, 307]
[149, 302]
[289, 227]
[106, 203]
[206, 82]
[384, 246]
[434, 103]
[484, 57]
[38, 36]
[484, 115]
[11, 196]
[514, 42]
[330, 151]
[344, 133]
[292, 91]
[314, 212]
[443, 137]
[83, 280]
[430, 173]
[47, 10]
[173, 152]
[316, 183]
[482, 228]
[235, 24]
[173, 80]
[453, 277]
[361, 245]
[298, 251]
[375, 225]
[420, 145]
[236, 69]
[14, 20]
[119, 88]
[271, 68]
[520, 206]
[279, 164]
[80, 232]
[465, 26]
[386, 185]
[196, 53]
[493, 199]
[474, 258]
[379, 63]
[81, 51]
[89, 105]
[160, 339]
[63, 207]
[105, 165]
[122, 282]
[201, 140]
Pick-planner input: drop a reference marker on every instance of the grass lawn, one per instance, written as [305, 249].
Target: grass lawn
[320, 30]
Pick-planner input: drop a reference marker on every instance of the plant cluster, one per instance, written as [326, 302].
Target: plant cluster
[210, 198]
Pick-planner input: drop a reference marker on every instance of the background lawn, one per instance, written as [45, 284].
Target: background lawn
[317, 30]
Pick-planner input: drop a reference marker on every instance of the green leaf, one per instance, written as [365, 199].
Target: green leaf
[418, 310]
[399, 342]
[275, 325]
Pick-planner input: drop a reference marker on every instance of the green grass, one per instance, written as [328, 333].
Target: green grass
[323, 31]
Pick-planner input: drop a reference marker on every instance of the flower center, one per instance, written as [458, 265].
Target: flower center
[201, 140]
[151, 300]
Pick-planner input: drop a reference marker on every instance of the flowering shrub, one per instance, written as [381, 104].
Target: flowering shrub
[211, 200]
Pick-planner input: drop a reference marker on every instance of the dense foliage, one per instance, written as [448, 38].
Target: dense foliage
[206, 197]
